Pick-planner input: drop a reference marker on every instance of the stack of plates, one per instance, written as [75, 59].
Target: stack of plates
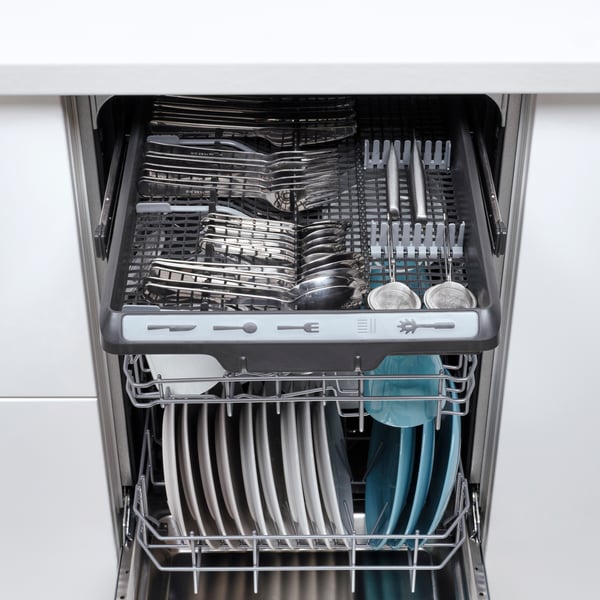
[411, 476]
[254, 471]
[412, 468]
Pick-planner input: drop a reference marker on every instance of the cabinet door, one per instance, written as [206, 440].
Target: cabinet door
[45, 348]
[544, 526]
[57, 533]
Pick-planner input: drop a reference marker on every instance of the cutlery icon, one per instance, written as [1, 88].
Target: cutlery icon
[246, 327]
[410, 325]
[308, 327]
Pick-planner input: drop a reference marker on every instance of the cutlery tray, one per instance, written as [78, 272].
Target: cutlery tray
[254, 338]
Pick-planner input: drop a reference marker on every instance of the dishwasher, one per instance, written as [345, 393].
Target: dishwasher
[300, 312]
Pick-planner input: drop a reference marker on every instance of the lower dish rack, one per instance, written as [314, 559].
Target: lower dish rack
[173, 542]
[352, 553]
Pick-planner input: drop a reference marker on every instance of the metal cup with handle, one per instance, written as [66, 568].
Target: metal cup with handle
[393, 295]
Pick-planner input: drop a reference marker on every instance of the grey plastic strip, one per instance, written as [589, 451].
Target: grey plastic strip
[293, 327]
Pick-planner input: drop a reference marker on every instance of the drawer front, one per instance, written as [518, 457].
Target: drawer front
[45, 334]
[57, 528]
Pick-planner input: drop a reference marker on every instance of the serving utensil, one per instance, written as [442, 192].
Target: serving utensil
[416, 180]
[393, 295]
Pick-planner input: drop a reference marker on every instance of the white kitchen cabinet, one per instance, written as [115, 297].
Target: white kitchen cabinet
[542, 538]
[45, 347]
[57, 529]
[57, 534]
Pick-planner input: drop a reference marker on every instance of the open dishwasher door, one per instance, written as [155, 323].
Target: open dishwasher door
[217, 218]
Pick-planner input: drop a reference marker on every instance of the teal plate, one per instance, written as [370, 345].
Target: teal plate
[443, 476]
[410, 514]
[404, 413]
[381, 583]
[389, 473]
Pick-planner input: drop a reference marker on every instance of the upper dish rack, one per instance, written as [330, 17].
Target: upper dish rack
[260, 339]
[456, 386]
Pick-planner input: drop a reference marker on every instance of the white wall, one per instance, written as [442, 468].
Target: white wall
[545, 524]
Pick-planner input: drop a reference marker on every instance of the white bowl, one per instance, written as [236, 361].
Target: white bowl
[178, 367]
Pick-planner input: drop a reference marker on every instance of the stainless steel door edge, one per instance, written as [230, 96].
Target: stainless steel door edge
[515, 107]
[494, 363]
[110, 401]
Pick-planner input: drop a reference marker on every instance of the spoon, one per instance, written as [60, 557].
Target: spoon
[324, 298]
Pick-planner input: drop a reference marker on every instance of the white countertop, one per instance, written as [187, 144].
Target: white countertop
[69, 47]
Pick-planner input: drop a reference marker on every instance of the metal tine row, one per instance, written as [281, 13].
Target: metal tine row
[309, 177]
[284, 122]
[271, 108]
[201, 275]
[241, 270]
[274, 263]
[285, 181]
[320, 293]
[285, 201]
[174, 146]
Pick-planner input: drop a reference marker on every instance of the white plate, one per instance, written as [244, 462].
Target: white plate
[291, 470]
[308, 469]
[185, 366]
[270, 466]
[190, 475]
[250, 475]
[333, 468]
[169, 456]
[227, 443]
[208, 474]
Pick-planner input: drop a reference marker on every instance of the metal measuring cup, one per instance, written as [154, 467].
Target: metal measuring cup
[449, 294]
[393, 295]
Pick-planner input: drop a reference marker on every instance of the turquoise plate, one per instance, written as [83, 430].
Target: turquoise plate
[408, 518]
[389, 473]
[404, 413]
[443, 476]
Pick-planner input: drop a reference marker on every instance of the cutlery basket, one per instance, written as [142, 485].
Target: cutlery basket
[249, 337]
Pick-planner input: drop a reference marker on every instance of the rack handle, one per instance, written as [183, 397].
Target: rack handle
[103, 231]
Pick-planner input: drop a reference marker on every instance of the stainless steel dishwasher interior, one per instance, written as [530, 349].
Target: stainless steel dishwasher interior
[101, 123]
